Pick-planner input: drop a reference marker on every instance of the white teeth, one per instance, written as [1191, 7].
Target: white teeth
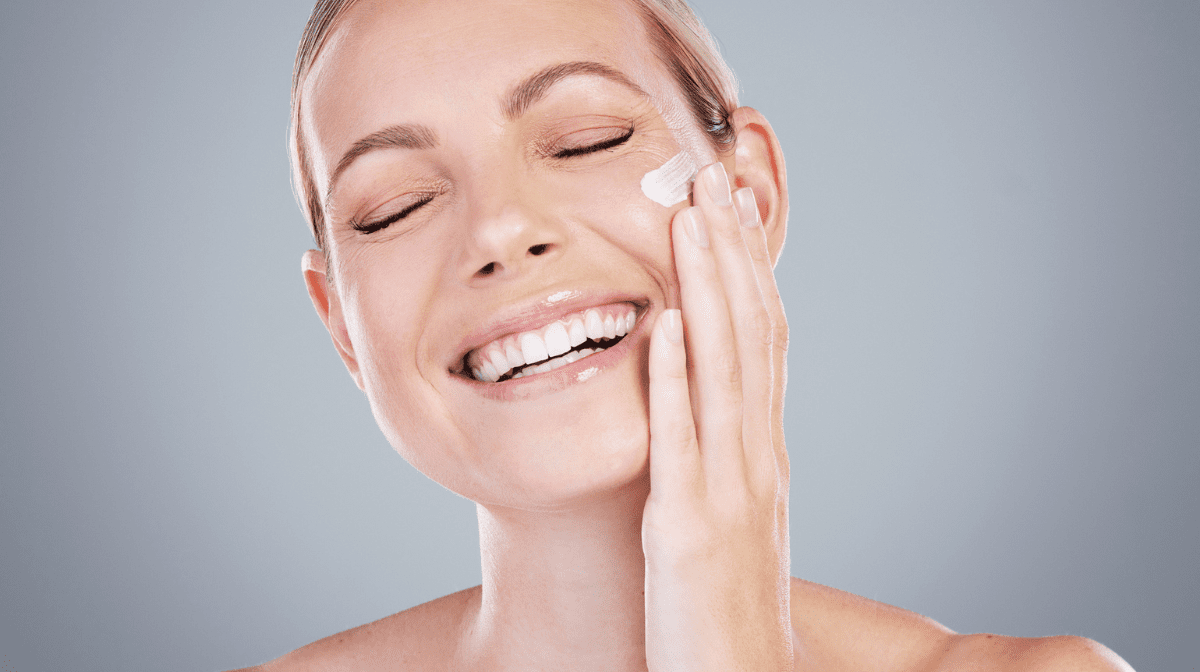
[489, 372]
[533, 348]
[513, 354]
[579, 354]
[550, 347]
[557, 362]
[499, 361]
[577, 332]
[557, 341]
[595, 326]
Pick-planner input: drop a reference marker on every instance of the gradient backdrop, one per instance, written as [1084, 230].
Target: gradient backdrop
[992, 278]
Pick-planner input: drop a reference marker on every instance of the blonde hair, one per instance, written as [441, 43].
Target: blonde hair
[676, 34]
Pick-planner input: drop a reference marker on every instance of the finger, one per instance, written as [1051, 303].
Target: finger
[712, 353]
[674, 455]
[751, 324]
[756, 245]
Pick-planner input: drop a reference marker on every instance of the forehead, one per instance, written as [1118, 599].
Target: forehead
[425, 61]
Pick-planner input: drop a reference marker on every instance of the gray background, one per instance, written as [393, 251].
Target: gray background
[992, 277]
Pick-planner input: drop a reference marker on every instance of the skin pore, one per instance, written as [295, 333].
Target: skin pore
[480, 165]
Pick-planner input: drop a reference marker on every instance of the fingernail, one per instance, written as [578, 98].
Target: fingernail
[717, 184]
[696, 227]
[672, 325]
[747, 208]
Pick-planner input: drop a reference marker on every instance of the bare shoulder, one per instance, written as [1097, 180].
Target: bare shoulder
[1036, 654]
[417, 638]
[836, 630]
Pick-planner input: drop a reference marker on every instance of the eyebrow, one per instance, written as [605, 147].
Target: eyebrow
[402, 136]
[535, 87]
[514, 103]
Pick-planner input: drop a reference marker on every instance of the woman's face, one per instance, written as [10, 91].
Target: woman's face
[481, 165]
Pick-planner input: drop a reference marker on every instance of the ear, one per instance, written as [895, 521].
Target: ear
[329, 308]
[758, 164]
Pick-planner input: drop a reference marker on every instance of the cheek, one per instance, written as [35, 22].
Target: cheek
[383, 311]
[647, 237]
[613, 206]
[387, 308]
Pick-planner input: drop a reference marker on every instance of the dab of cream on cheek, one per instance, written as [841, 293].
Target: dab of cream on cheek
[671, 182]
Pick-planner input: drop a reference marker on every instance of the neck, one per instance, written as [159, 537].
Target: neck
[563, 589]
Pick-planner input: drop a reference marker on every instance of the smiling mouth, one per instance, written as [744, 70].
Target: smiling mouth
[557, 344]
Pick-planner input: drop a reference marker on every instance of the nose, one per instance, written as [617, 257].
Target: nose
[509, 242]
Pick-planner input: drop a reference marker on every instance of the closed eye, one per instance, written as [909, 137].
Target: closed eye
[608, 143]
[380, 224]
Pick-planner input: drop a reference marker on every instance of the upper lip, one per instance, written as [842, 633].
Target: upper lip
[536, 314]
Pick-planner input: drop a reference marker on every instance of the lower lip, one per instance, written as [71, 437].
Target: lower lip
[574, 373]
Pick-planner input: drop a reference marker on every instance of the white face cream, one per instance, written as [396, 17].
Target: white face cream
[671, 182]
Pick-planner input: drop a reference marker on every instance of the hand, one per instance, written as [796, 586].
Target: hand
[715, 527]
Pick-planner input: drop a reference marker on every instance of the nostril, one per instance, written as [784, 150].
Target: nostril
[489, 269]
[538, 250]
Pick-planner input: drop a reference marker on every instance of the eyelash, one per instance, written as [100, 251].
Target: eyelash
[379, 225]
[598, 147]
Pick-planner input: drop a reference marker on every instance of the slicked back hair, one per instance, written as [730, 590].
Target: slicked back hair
[676, 35]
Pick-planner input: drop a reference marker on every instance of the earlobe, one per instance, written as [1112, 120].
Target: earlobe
[328, 306]
[758, 164]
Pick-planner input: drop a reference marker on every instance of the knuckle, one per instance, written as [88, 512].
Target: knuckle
[728, 231]
[675, 432]
[728, 367]
[780, 333]
[762, 327]
[675, 373]
[759, 255]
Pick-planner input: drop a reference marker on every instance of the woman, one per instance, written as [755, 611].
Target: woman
[543, 321]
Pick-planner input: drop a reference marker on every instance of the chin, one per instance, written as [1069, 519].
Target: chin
[583, 443]
[569, 448]
[553, 477]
